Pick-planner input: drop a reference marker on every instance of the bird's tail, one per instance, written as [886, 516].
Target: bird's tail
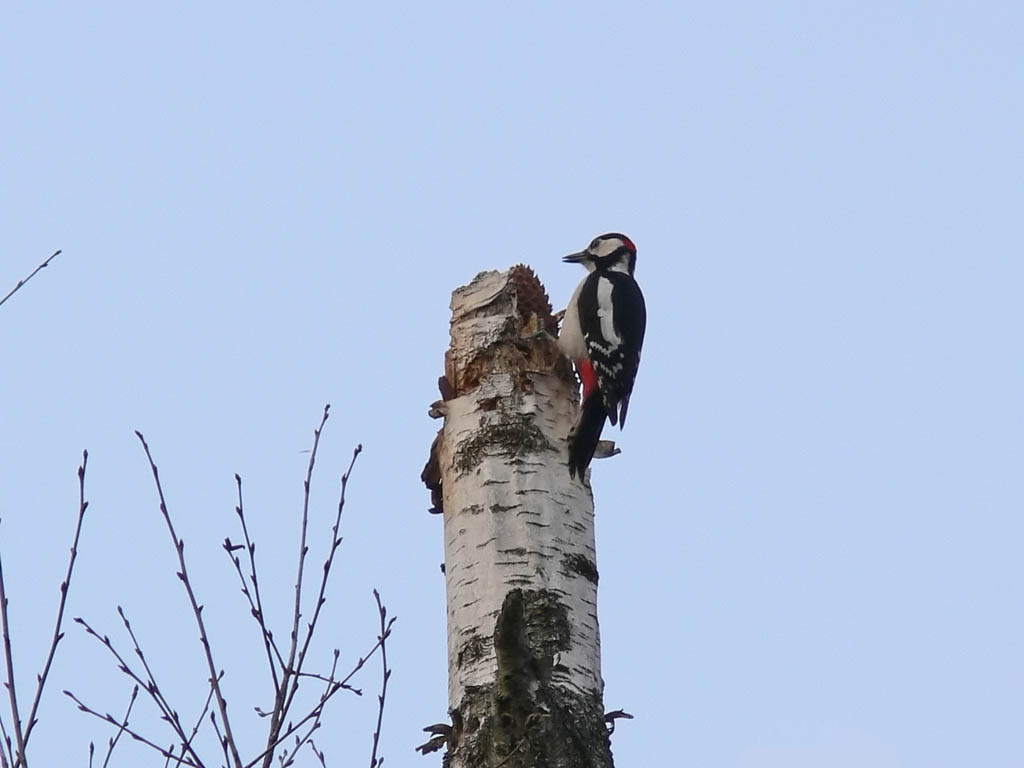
[583, 439]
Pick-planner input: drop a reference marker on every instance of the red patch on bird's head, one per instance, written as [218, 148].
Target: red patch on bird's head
[619, 236]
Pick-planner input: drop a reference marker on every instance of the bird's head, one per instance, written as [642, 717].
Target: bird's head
[610, 252]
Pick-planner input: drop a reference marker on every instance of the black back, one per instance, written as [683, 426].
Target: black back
[615, 365]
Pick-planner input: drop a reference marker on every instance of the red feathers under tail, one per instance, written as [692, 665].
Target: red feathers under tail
[587, 376]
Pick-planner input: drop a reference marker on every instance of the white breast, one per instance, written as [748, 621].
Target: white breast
[570, 337]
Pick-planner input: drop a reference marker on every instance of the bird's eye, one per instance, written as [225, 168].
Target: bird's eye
[594, 243]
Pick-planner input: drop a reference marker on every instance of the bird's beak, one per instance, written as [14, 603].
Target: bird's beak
[576, 258]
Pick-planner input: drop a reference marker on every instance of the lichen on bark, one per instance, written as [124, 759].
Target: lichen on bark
[582, 565]
[513, 435]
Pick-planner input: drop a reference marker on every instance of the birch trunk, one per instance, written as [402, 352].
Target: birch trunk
[524, 663]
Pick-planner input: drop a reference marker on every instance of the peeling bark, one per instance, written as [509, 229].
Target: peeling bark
[524, 667]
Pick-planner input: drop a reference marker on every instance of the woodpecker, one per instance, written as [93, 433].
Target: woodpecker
[602, 333]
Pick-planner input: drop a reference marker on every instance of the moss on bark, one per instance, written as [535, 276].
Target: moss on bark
[523, 721]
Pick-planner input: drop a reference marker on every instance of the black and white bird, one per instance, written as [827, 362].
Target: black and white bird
[602, 333]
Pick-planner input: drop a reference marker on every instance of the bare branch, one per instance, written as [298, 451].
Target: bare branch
[150, 686]
[18, 756]
[221, 738]
[253, 596]
[303, 548]
[33, 274]
[611, 717]
[121, 729]
[290, 681]
[286, 673]
[300, 742]
[335, 543]
[315, 712]
[65, 585]
[384, 681]
[325, 679]
[179, 547]
[199, 721]
[108, 718]
[6, 757]
[319, 754]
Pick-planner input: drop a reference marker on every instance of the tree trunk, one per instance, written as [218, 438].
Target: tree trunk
[524, 661]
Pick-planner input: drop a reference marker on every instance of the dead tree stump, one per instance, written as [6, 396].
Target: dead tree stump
[524, 661]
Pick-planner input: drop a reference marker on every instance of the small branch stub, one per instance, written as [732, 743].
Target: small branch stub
[524, 672]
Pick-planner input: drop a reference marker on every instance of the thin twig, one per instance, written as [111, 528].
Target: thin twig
[179, 547]
[256, 611]
[315, 712]
[25, 280]
[286, 677]
[65, 585]
[167, 712]
[6, 755]
[221, 738]
[335, 543]
[255, 604]
[319, 754]
[121, 729]
[289, 681]
[300, 742]
[6, 742]
[384, 682]
[151, 684]
[5, 760]
[325, 679]
[108, 718]
[18, 756]
[199, 721]
[303, 547]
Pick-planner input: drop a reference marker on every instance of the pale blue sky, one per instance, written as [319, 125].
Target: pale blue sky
[810, 549]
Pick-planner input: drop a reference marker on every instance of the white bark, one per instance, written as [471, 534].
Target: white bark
[515, 520]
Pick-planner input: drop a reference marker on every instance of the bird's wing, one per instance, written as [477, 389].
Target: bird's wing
[614, 318]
